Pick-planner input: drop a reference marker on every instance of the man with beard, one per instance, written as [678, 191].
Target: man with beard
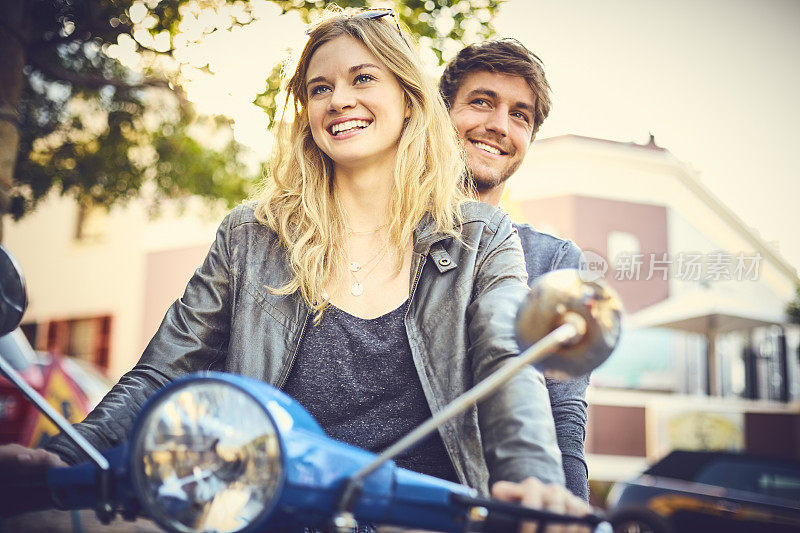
[498, 97]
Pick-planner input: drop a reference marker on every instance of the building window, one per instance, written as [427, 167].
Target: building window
[771, 366]
[621, 244]
[733, 365]
[83, 338]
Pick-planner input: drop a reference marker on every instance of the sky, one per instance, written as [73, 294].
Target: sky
[716, 82]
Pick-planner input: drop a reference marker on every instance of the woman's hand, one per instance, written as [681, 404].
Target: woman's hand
[16, 459]
[554, 498]
[22, 485]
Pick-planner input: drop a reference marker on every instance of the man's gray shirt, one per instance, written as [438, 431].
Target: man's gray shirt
[544, 253]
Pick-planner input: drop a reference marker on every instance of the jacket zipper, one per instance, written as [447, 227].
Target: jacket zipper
[285, 375]
[417, 275]
[450, 453]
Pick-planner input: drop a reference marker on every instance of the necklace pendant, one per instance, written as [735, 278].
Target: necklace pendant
[356, 289]
[355, 267]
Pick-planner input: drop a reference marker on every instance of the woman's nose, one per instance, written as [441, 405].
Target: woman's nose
[341, 98]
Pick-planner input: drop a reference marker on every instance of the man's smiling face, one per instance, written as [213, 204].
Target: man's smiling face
[493, 114]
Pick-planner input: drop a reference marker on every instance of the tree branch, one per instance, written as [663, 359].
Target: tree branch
[71, 38]
[18, 35]
[97, 81]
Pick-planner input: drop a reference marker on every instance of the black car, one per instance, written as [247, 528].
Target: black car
[688, 492]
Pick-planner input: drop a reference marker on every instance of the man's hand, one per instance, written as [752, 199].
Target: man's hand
[554, 498]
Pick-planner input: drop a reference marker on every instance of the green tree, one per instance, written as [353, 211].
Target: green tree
[73, 117]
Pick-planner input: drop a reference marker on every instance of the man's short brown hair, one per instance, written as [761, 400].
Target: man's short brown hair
[504, 56]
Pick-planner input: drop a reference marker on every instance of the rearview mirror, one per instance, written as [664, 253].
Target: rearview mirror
[558, 294]
[13, 298]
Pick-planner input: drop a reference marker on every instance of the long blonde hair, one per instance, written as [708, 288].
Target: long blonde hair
[297, 199]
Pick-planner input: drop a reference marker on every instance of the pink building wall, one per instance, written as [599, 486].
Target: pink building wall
[589, 221]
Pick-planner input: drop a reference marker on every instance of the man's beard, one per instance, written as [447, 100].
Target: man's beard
[488, 177]
[482, 182]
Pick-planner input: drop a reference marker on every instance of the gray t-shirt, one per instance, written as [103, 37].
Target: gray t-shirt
[358, 380]
[544, 253]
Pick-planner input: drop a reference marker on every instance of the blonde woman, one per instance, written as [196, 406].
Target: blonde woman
[362, 282]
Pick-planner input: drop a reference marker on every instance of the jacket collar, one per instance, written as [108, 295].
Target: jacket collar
[426, 235]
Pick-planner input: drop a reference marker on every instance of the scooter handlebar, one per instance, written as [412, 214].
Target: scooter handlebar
[28, 492]
[505, 517]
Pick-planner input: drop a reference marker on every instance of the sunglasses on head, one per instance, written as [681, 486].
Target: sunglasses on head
[376, 13]
[372, 14]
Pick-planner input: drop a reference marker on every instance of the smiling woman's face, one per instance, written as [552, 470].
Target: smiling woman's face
[356, 106]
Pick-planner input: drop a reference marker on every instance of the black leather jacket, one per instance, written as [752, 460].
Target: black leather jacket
[463, 300]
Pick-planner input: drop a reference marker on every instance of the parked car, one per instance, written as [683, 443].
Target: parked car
[72, 386]
[688, 492]
[15, 410]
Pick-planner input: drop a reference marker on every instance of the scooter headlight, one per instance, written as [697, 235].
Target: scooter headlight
[206, 458]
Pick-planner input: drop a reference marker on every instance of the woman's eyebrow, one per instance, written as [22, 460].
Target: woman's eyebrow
[315, 80]
[355, 68]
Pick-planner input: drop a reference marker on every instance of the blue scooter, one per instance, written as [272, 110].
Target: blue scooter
[217, 452]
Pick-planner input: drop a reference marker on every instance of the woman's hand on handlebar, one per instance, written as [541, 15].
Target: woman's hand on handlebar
[22, 479]
[554, 498]
[16, 459]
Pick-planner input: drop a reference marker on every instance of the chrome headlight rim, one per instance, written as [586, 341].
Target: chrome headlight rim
[137, 442]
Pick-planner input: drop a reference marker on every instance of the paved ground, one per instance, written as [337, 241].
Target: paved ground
[62, 522]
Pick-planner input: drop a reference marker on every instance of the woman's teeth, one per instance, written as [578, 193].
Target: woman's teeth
[486, 147]
[347, 126]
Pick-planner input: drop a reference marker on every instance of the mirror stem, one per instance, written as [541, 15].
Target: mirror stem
[45, 408]
[570, 331]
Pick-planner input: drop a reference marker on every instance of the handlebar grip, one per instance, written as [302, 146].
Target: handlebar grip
[28, 492]
[506, 517]
[501, 522]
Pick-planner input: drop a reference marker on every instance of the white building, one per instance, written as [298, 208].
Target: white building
[99, 283]
[671, 247]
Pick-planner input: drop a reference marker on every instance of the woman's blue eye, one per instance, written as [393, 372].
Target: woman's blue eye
[318, 90]
[361, 78]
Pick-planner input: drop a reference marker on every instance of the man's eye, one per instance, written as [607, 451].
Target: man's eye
[363, 78]
[521, 116]
[480, 102]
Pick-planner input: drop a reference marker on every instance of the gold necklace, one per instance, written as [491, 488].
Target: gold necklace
[357, 288]
[355, 266]
[368, 232]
